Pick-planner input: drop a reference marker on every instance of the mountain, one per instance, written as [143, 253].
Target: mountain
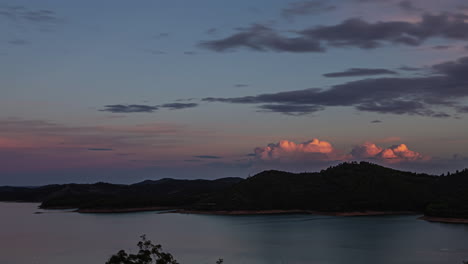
[348, 187]
[161, 193]
[344, 188]
[27, 194]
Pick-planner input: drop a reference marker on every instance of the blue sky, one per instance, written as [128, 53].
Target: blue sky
[63, 62]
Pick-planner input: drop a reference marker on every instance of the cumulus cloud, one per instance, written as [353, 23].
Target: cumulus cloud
[288, 151]
[354, 32]
[395, 153]
[318, 152]
[428, 96]
[365, 151]
[356, 72]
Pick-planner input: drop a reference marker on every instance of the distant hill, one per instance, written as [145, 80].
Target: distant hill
[348, 187]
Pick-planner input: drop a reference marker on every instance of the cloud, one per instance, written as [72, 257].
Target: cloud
[44, 145]
[162, 35]
[262, 38]
[16, 13]
[393, 154]
[305, 8]
[100, 149]
[463, 109]
[423, 96]
[241, 85]
[207, 157]
[318, 151]
[354, 32]
[407, 68]
[134, 108]
[409, 6]
[376, 121]
[290, 109]
[317, 154]
[211, 31]
[353, 72]
[176, 106]
[442, 47]
[365, 151]
[288, 151]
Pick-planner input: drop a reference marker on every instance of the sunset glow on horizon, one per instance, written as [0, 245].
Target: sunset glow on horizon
[120, 91]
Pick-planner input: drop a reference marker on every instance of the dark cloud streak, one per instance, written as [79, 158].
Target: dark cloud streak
[118, 108]
[207, 157]
[353, 72]
[411, 96]
[177, 106]
[100, 149]
[21, 13]
[353, 32]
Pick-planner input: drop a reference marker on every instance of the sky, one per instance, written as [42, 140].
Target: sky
[122, 91]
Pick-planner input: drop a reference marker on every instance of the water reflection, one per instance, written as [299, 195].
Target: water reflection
[64, 237]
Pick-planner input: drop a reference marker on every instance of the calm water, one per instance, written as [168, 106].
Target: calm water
[62, 237]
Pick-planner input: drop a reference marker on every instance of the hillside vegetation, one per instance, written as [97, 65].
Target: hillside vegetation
[348, 187]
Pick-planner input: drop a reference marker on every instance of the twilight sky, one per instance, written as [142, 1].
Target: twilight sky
[122, 91]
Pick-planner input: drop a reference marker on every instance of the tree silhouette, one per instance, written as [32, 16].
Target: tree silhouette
[148, 253]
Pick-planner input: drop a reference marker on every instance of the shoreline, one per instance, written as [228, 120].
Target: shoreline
[445, 220]
[172, 210]
[122, 210]
[279, 212]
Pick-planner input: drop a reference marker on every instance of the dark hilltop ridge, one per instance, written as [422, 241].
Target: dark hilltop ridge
[347, 189]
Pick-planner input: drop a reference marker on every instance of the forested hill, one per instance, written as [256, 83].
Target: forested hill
[160, 193]
[348, 187]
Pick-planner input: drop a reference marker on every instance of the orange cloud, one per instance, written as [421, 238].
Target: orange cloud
[366, 150]
[396, 153]
[319, 151]
[290, 151]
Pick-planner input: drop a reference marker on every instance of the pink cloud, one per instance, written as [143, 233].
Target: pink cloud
[366, 150]
[316, 150]
[393, 154]
[288, 151]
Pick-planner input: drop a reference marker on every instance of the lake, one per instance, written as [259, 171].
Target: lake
[59, 237]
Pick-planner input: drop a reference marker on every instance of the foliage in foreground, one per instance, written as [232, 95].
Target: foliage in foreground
[148, 253]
